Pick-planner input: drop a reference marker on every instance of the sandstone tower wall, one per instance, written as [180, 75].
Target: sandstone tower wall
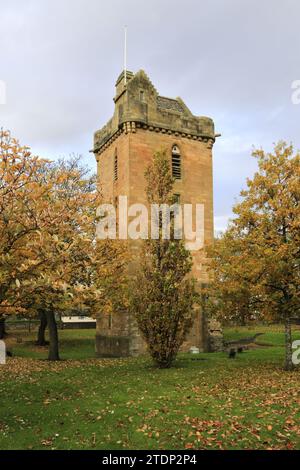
[143, 123]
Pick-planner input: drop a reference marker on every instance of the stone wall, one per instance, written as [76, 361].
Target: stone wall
[143, 123]
[214, 336]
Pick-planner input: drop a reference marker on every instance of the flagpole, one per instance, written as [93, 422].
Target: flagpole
[125, 56]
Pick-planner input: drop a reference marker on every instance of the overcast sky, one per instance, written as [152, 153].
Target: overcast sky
[232, 60]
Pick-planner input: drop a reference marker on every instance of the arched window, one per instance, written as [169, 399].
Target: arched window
[116, 166]
[176, 162]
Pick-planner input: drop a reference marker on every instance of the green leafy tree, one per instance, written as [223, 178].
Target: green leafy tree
[163, 294]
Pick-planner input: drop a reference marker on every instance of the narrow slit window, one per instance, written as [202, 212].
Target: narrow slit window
[116, 167]
[176, 163]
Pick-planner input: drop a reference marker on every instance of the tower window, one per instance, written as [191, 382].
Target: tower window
[116, 166]
[176, 163]
[142, 94]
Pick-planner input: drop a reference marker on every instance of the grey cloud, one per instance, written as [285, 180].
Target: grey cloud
[229, 59]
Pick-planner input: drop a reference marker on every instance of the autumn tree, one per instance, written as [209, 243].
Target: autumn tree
[41, 213]
[94, 275]
[266, 235]
[109, 277]
[80, 273]
[23, 212]
[50, 261]
[163, 294]
[66, 246]
[230, 295]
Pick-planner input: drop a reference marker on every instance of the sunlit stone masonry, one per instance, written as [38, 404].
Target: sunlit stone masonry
[143, 123]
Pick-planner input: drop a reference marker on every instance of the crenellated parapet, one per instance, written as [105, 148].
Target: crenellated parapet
[133, 127]
[139, 106]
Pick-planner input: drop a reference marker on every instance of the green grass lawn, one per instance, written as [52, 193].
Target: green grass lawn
[205, 402]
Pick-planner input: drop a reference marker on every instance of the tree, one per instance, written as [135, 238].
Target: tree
[66, 247]
[163, 295]
[75, 197]
[81, 272]
[41, 336]
[109, 277]
[266, 234]
[23, 212]
[230, 294]
[50, 261]
[43, 209]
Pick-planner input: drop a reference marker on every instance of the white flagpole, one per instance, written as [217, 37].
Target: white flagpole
[125, 57]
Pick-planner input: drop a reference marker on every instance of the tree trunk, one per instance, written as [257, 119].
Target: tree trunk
[288, 345]
[41, 340]
[53, 336]
[2, 327]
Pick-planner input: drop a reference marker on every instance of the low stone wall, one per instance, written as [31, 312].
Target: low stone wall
[112, 346]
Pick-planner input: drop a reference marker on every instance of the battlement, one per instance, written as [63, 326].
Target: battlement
[138, 105]
[143, 123]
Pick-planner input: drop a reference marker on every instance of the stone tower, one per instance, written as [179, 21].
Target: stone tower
[143, 123]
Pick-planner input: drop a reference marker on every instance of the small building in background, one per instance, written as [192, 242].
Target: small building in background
[74, 322]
